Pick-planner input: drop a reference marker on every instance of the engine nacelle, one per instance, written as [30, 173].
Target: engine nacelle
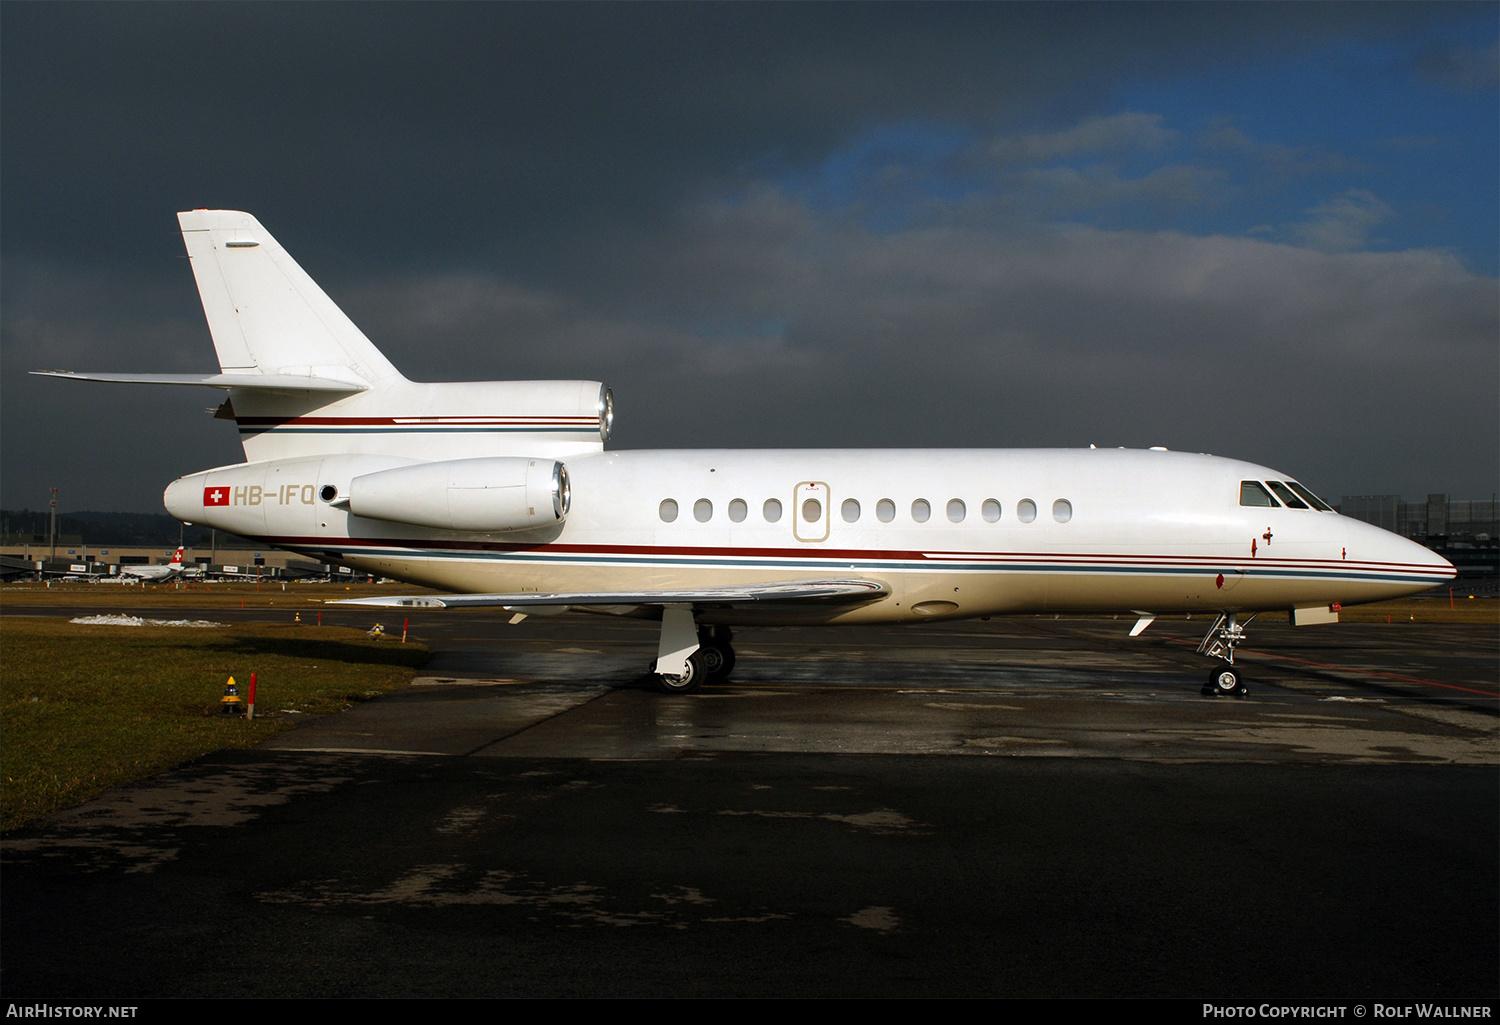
[483, 495]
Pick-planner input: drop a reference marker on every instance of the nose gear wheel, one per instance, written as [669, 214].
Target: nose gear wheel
[1222, 638]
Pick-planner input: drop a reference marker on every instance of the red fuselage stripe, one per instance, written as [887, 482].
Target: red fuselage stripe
[406, 421]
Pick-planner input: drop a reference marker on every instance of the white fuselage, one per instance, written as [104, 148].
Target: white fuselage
[171, 569]
[1110, 530]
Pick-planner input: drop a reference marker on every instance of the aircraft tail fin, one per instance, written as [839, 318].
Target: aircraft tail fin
[304, 381]
[266, 315]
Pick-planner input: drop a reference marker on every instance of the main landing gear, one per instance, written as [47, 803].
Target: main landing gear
[718, 656]
[685, 682]
[688, 656]
[1220, 641]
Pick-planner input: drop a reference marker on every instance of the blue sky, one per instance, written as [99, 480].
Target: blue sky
[1396, 139]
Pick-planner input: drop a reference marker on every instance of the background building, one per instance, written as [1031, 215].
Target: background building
[1464, 532]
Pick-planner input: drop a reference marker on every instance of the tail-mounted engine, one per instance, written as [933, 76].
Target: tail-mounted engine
[481, 495]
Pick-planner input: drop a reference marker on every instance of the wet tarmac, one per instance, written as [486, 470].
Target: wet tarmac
[1027, 807]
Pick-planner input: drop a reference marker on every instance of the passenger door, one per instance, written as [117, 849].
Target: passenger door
[810, 511]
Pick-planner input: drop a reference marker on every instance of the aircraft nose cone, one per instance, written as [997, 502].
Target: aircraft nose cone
[1442, 563]
[1437, 562]
[1422, 558]
[1424, 567]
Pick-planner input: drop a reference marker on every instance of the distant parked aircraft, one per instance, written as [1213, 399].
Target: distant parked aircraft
[173, 569]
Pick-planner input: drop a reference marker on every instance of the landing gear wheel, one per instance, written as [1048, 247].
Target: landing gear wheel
[718, 660]
[1226, 681]
[688, 682]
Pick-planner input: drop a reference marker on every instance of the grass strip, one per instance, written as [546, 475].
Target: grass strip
[84, 708]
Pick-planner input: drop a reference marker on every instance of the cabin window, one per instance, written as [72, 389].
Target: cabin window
[1284, 493]
[920, 510]
[885, 510]
[1251, 493]
[849, 510]
[956, 510]
[1312, 499]
[703, 510]
[738, 510]
[771, 510]
[1026, 510]
[812, 511]
[990, 511]
[668, 510]
[1062, 510]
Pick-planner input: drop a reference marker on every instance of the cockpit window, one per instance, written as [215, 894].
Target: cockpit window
[1251, 493]
[1285, 494]
[1312, 499]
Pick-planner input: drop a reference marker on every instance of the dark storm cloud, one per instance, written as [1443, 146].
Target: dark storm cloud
[470, 127]
[612, 191]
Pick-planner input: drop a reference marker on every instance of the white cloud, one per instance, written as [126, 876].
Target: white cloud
[1343, 224]
[975, 332]
[1278, 159]
[1051, 191]
[970, 333]
[1097, 135]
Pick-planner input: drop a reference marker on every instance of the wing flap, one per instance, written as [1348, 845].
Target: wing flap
[796, 592]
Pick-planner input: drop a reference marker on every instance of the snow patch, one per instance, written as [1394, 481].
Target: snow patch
[138, 621]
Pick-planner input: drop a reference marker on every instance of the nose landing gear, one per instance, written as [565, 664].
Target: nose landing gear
[1220, 641]
[1225, 681]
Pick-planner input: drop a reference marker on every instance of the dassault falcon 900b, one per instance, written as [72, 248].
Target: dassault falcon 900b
[503, 494]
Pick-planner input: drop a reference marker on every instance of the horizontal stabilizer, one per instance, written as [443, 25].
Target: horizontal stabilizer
[265, 382]
[833, 591]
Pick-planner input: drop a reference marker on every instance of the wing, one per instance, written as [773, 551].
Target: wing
[797, 591]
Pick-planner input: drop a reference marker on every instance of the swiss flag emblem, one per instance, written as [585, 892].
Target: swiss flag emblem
[215, 496]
